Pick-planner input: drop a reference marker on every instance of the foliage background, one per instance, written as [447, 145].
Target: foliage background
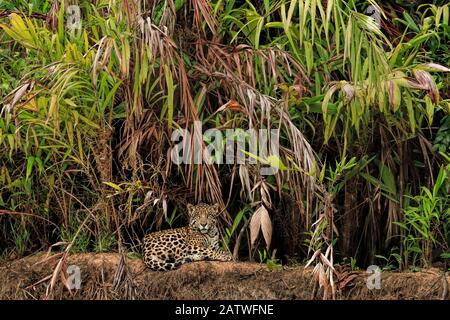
[363, 112]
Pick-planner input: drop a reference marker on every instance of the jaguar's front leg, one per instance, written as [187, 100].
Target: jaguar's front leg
[199, 254]
[223, 255]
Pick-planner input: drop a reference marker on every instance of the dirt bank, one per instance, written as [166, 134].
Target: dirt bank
[104, 276]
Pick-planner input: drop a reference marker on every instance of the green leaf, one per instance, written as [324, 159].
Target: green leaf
[410, 22]
[30, 163]
[113, 185]
[410, 109]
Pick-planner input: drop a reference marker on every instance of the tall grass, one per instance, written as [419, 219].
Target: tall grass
[87, 117]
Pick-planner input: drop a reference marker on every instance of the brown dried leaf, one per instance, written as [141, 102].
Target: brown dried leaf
[349, 91]
[434, 67]
[55, 274]
[326, 261]
[322, 276]
[261, 220]
[255, 224]
[17, 94]
[266, 226]
[245, 180]
[426, 80]
[312, 258]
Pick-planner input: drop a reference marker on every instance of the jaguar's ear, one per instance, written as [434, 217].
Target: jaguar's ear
[190, 208]
[215, 209]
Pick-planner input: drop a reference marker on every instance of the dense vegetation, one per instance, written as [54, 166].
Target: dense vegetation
[87, 115]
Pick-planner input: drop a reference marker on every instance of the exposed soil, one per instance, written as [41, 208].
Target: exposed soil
[103, 276]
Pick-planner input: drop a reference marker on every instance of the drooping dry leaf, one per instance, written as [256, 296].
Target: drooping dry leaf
[349, 91]
[245, 180]
[426, 81]
[434, 67]
[326, 261]
[255, 225]
[96, 60]
[55, 274]
[165, 207]
[266, 226]
[312, 258]
[316, 272]
[322, 276]
[17, 94]
[261, 220]
[265, 195]
[223, 107]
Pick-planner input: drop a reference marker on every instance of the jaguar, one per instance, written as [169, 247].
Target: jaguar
[168, 249]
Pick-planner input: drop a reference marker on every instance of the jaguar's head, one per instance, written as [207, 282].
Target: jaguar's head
[203, 217]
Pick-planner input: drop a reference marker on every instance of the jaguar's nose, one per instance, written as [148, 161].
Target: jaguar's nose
[204, 225]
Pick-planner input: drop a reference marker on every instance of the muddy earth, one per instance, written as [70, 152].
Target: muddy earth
[112, 276]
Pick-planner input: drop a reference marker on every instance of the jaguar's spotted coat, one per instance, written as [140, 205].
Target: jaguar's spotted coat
[169, 249]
